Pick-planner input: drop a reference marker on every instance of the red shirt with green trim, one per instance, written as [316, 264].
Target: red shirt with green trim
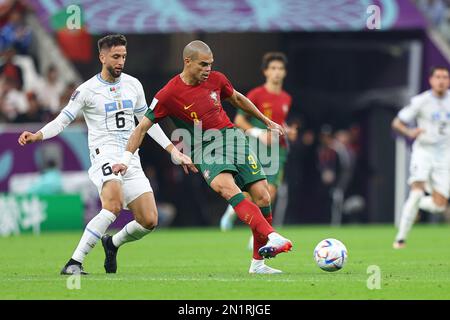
[274, 106]
[193, 103]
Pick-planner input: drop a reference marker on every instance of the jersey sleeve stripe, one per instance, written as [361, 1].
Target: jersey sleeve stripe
[153, 104]
[68, 114]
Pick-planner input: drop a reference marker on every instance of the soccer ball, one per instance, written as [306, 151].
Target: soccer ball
[330, 255]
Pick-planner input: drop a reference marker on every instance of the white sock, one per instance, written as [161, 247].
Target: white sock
[92, 233]
[427, 204]
[131, 232]
[409, 213]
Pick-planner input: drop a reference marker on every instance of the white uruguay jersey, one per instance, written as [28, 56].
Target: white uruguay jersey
[433, 115]
[109, 110]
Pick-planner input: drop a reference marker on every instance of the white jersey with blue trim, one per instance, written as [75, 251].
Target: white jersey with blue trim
[109, 110]
[432, 114]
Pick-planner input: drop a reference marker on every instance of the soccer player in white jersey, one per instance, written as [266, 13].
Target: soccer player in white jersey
[109, 101]
[430, 152]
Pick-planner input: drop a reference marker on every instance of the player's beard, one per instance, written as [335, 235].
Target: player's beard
[440, 90]
[115, 74]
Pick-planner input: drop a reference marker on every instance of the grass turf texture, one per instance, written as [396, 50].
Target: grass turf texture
[208, 264]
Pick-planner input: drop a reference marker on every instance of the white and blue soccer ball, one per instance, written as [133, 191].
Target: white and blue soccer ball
[330, 255]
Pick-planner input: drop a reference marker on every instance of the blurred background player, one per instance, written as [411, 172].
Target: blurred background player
[430, 152]
[109, 101]
[274, 103]
[193, 99]
[50, 180]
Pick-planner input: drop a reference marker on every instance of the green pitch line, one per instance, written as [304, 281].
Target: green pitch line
[209, 264]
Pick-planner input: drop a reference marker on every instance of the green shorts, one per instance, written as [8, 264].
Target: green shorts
[273, 177]
[233, 154]
[277, 178]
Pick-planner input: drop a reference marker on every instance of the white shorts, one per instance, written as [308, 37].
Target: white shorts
[134, 182]
[428, 166]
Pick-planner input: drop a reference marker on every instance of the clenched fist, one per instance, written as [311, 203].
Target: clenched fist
[28, 137]
[119, 168]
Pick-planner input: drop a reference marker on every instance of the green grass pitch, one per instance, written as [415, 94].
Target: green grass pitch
[208, 264]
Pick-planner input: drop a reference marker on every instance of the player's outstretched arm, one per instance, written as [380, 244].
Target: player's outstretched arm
[403, 129]
[181, 159]
[50, 130]
[133, 144]
[135, 141]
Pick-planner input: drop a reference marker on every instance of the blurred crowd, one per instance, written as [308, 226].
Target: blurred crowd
[326, 175]
[437, 12]
[25, 94]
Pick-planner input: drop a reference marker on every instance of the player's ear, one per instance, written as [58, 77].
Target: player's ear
[102, 56]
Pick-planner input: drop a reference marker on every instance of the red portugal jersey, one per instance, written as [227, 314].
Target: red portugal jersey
[189, 105]
[274, 106]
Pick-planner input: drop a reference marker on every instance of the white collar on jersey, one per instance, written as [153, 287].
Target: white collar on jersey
[106, 82]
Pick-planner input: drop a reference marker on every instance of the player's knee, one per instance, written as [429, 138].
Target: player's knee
[439, 200]
[273, 194]
[224, 190]
[262, 199]
[225, 193]
[114, 206]
[418, 185]
[149, 221]
[439, 205]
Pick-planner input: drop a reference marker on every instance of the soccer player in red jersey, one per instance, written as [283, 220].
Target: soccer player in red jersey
[192, 100]
[274, 103]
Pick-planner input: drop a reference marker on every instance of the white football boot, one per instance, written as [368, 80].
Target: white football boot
[276, 244]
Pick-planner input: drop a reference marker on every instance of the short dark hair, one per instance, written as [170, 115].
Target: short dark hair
[273, 56]
[111, 40]
[434, 68]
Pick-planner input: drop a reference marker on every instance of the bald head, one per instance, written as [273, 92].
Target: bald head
[198, 60]
[194, 48]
